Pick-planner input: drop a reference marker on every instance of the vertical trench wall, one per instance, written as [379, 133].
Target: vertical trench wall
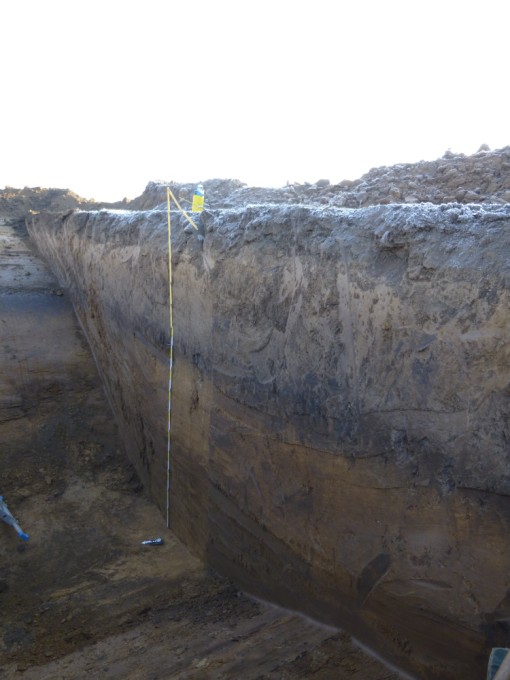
[340, 407]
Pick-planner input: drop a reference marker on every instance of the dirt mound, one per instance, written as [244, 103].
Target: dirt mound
[480, 178]
[17, 203]
[154, 194]
[483, 177]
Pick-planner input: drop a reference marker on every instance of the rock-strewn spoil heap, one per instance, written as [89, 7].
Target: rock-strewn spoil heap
[340, 418]
[481, 178]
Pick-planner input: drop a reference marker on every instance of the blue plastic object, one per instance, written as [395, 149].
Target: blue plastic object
[6, 516]
[497, 657]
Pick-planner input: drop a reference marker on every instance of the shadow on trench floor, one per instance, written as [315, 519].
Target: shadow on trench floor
[84, 598]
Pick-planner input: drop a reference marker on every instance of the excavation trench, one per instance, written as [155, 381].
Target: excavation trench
[84, 598]
[340, 408]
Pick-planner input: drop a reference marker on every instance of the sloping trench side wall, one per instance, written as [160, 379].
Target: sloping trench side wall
[340, 419]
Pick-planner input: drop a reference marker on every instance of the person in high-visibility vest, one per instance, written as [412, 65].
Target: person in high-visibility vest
[197, 204]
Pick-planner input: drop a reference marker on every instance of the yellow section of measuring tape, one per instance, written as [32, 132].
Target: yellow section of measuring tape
[170, 195]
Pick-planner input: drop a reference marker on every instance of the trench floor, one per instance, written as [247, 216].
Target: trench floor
[84, 598]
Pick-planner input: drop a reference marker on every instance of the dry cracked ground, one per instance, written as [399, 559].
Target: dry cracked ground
[84, 598]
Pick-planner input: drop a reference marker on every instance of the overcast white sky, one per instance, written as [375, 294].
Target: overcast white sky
[103, 96]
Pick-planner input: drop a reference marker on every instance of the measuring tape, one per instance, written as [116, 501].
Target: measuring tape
[170, 196]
